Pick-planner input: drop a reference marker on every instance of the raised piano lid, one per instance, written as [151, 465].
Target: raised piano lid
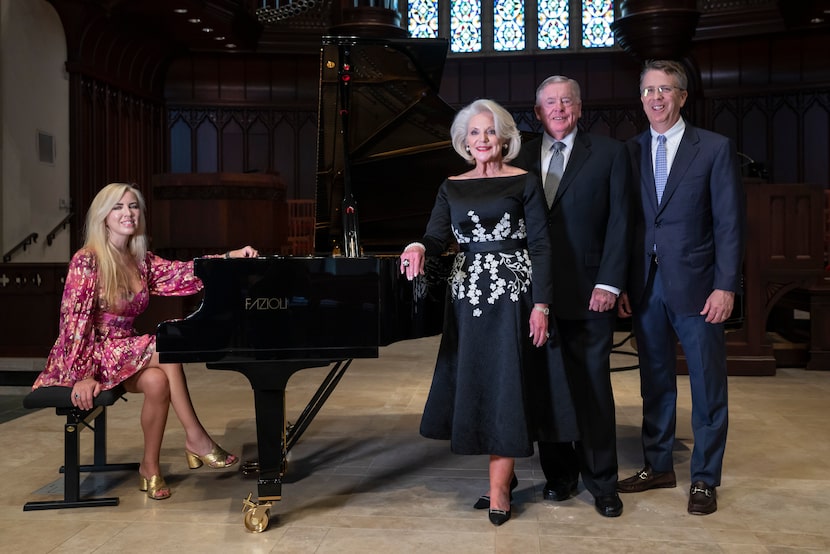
[398, 139]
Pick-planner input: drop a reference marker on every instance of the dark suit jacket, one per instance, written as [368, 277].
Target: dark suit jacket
[589, 221]
[698, 227]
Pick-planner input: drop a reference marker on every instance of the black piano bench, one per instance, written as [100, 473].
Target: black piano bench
[60, 398]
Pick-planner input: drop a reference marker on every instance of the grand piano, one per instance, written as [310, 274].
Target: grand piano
[383, 148]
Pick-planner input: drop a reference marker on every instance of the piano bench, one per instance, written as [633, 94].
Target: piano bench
[60, 398]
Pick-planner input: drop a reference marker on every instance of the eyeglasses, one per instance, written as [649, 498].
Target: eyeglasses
[665, 89]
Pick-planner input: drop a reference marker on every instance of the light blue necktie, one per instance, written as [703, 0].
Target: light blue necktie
[660, 168]
[555, 170]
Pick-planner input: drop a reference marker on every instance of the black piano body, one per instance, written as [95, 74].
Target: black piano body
[272, 308]
[270, 317]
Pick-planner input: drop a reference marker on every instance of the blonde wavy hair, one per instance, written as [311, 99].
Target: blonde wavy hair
[113, 275]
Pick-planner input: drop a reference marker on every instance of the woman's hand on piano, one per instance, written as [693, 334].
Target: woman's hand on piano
[412, 260]
[244, 252]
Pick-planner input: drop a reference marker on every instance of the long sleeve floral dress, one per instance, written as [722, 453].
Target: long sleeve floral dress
[491, 392]
[100, 342]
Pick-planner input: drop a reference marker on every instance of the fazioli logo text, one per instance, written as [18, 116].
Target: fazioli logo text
[266, 303]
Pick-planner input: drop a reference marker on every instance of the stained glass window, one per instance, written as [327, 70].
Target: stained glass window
[597, 17]
[554, 28]
[423, 18]
[508, 25]
[508, 28]
[465, 26]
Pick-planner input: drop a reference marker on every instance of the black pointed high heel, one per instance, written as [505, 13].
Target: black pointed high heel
[497, 517]
[483, 502]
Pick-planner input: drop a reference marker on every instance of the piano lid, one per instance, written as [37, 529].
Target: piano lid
[398, 140]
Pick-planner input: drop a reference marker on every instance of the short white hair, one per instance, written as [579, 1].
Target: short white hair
[505, 126]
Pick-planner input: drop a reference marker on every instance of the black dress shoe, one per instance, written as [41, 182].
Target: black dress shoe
[483, 502]
[609, 505]
[647, 479]
[497, 517]
[559, 490]
[703, 499]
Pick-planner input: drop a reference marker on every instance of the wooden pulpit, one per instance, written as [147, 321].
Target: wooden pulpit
[784, 251]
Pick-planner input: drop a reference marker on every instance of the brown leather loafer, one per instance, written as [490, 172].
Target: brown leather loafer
[703, 499]
[647, 479]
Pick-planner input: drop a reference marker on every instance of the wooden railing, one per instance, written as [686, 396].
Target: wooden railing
[22, 245]
[59, 227]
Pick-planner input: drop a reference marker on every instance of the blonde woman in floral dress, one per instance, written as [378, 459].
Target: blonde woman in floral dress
[107, 286]
[490, 393]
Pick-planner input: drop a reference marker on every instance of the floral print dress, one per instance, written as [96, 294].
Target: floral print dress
[489, 393]
[100, 342]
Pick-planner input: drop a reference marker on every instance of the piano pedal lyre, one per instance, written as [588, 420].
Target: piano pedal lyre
[257, 515]
[250, 468]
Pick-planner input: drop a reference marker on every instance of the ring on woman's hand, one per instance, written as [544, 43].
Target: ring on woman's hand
[547, 335]
[76, 396]
[405, 263]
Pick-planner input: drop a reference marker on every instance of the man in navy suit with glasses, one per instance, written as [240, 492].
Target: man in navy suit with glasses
[689, 232]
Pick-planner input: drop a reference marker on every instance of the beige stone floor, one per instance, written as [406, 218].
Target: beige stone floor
[362, 480]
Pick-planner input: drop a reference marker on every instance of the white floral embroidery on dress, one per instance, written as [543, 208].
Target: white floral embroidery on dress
[486, 265]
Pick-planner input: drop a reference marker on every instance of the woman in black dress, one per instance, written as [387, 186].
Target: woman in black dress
[489, 393]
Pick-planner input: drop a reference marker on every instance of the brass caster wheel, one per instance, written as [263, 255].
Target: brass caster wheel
[257, 516]
[257, 519]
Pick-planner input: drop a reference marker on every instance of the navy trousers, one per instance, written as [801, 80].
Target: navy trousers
[657, 329]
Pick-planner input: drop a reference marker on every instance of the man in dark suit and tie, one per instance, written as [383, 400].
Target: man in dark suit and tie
[685, 269]
[586, 180]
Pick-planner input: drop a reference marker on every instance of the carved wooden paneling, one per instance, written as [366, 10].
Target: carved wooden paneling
[251, 140]
[606, 77]
[245, 79]
[209, 213]
[31, 297]
[784, 131]
[117, 136]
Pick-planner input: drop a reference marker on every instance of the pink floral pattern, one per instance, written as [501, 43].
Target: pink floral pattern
[100, 341]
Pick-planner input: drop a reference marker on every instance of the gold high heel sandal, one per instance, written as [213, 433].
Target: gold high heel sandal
[155, 487]
[217, 458]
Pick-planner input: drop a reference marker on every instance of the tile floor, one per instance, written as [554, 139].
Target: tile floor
[361, 479]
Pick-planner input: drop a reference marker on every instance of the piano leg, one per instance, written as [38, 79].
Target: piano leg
[268, 382]
[270, 429]
[270, 433]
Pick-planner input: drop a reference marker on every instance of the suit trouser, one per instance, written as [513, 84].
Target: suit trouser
[586, 349]
[657, 328]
